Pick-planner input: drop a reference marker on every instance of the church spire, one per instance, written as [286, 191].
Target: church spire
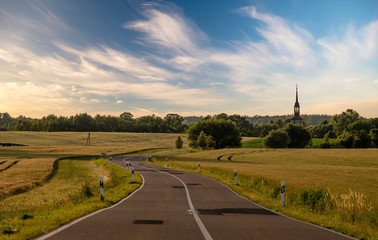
[297, 118]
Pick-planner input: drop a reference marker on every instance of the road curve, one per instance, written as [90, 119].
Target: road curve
[161, 210]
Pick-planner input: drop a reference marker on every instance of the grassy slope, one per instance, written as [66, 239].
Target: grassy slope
[339, 170]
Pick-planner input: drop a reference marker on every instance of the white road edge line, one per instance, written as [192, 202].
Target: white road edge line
[67, 225]
[200, 224]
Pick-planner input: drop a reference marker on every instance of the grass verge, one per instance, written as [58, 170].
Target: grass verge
[71, 193]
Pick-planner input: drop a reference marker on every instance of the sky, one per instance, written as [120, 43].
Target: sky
[191, 57]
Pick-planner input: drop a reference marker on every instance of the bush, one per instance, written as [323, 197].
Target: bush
[276, 139]
[362, 139]
[313, 199]
[179, 142]
[299, 137]
[346, 140]
[330, 134]
[374, 136]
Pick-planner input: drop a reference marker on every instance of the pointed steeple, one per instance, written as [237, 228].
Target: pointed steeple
[297, 118]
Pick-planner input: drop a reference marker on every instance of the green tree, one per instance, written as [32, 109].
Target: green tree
[346, 139]
[341, 121]
[299, 137]
[362, 139]
[179, 143]
[174, 123]
[201, 140]
[276, 139]
[210, 143]
[224, 132]
[359, 125]
[374, 136]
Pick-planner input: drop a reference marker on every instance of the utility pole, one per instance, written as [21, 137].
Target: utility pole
[88, 144]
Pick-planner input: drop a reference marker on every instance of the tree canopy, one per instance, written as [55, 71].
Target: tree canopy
[224, 133]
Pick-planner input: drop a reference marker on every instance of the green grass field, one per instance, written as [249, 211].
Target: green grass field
[346, 180]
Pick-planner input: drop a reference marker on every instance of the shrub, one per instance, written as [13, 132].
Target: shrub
[299, 137]
[179, 142]
[276, 139]
[362, 139]
[313, 199]
[346, 140]
[374, 136]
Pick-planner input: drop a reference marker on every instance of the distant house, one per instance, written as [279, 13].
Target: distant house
[297, 118]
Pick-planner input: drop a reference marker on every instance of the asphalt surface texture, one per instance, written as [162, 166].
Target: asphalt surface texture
[173, 204]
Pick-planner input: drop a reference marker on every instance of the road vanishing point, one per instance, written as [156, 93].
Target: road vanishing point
[172, 204]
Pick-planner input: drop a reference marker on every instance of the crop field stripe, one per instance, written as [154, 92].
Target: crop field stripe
[53, 232]
[274, 211]
[9, 166]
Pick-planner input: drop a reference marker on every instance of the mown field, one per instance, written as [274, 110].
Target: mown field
[335, 188]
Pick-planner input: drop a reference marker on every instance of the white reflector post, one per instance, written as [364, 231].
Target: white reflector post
[235, 176]
[283, 193]
[102, 188]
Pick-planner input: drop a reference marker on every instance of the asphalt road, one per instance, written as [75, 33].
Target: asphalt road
[173, 204]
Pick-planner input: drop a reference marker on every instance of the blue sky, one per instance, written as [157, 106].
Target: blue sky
[188, 57]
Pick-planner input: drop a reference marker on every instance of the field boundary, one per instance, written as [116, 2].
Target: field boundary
[10, 165]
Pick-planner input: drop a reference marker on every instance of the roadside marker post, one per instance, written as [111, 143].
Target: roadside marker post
[283, 193]
[132, 174]
[235, 176]
[130, 166]
[166, 162]
[102, 188]
[199, 167]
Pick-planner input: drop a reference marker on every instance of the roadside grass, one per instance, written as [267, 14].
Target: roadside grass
[333, 188]
[71, 193]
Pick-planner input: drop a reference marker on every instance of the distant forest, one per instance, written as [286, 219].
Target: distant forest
[311, 119]
[171, 123]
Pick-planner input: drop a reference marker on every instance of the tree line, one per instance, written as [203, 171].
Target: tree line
[171, 123]
[351, 129]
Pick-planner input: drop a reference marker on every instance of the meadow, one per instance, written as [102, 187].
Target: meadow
[334, 188]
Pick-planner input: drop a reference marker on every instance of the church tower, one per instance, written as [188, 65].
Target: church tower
[297, 118]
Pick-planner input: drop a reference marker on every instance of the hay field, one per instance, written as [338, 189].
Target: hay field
[98, 139]
[343, 183]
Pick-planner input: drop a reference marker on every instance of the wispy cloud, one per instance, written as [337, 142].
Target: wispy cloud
[168, 29]
[181, 68]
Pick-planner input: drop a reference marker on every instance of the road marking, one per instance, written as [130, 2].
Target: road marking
[202, 227]
[67, 225]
